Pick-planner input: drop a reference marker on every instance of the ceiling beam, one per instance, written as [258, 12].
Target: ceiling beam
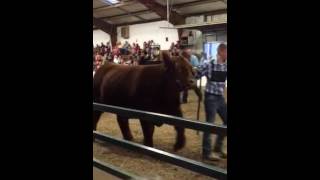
[130, 14]
[175, 18]
[96, 8]
[208, 13]
[140, 22]
[194, 3]
[106, 27]
[214, 28]
[126, 14]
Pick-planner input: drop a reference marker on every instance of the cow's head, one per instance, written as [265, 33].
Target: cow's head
[180, 69]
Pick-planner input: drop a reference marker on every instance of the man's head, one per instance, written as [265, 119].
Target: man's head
[222, 51]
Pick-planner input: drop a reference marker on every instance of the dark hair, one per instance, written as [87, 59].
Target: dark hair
[222, 46]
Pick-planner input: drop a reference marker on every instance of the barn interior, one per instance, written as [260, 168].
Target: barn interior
[199, 24]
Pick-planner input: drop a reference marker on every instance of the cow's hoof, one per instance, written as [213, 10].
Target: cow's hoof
[129, 138]
[148, 144]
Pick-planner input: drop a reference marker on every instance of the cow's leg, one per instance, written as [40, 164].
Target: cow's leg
[148, 129]
[181, 139]
[185, 96]
[96, 117]
[124, 127]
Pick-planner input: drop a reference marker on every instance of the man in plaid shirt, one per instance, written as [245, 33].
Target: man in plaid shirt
[216, 73]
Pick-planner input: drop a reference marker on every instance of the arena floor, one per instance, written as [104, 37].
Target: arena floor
[101, 175]
[164, 139]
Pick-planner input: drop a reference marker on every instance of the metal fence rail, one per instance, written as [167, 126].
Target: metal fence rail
[195, 166]
[190, 164]
[162, 118]
[114, 170]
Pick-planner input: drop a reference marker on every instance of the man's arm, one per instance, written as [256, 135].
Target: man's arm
[202, 70]
[195, 61]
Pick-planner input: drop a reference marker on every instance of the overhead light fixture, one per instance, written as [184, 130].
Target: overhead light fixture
[111, 1]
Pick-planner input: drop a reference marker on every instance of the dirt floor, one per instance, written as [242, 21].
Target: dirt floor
[164, 139]
[101, 175]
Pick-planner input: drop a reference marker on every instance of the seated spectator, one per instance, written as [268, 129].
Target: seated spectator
[116, 50]
[102, 45]
[126, 45]
[172, 46]
[108, 48]
[135, 61]
[110, 57]
[137, 49]
[133, 49]
[129, 49]
[144, 45]
[144, 58]
[125, 48]
[116, 59]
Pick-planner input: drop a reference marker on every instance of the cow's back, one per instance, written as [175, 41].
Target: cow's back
[138, 87]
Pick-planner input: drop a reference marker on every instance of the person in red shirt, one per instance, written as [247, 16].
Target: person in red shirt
[116, 51]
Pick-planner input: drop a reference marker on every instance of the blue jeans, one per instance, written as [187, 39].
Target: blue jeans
[213, 104]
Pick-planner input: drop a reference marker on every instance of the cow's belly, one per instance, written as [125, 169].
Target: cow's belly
[140, 100]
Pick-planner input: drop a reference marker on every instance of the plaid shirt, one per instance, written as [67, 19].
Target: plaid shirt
[206, 69]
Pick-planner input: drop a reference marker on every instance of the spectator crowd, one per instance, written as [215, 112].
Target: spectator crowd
[133, 54]
[127, 54]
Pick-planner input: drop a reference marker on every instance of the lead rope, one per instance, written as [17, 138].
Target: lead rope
[199, 104]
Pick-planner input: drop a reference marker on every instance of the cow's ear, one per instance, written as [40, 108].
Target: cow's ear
[167, 60]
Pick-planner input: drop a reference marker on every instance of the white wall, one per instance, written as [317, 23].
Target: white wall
[150, 31]
[100, 36]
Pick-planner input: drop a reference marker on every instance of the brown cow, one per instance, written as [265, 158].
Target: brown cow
[154, 88]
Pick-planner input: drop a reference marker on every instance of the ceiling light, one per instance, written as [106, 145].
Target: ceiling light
[110, 1]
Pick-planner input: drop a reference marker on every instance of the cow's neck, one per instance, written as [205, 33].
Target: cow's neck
[171, 88]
